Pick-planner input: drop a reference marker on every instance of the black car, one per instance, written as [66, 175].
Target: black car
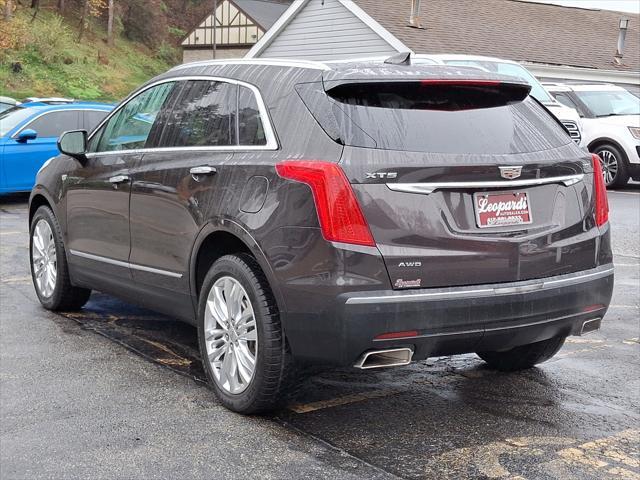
[350, 214]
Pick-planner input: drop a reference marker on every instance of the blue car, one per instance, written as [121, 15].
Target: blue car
[29, 134]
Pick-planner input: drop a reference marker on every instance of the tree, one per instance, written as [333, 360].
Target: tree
[89, 8]
[8, 10]
[110, 23]
[60, 7]
[35, 4]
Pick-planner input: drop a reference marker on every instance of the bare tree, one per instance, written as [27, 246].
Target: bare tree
[8, 10]
[83, 18]
[60, 7]
[110, 22]
[35, 4]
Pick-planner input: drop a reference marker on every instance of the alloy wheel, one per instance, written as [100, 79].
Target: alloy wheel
[44, 258]
[609, 164]
[231, 336]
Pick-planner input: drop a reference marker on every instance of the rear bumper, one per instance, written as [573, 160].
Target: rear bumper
[447, 321]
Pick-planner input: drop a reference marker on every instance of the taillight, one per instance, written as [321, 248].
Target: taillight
[600, 192]
[341, 219]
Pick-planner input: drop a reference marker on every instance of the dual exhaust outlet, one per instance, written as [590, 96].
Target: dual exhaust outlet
[396, 357]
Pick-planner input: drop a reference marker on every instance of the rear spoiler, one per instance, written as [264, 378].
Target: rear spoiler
[429, 93]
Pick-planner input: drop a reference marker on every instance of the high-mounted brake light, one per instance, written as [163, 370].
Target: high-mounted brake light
[339, 214]
[462, 83]
[600, 192]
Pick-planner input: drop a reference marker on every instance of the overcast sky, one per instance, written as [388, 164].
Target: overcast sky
[619, 5]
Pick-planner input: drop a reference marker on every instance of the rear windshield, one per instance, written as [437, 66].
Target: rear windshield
[437, 118]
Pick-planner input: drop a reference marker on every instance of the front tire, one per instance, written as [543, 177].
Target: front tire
[524, 356]
[49, 269]
[242, 345]
[613, 163]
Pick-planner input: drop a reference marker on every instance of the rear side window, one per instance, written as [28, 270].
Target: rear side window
[250, 128]
[436, 118]
[203, 115]
[53, 124]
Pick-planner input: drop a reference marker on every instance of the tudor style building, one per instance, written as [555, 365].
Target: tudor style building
[239, 25]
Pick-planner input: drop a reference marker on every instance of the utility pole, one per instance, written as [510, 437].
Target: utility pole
[215, 21]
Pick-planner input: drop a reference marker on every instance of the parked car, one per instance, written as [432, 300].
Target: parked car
[360, 214]
[610, 125]
[566, 114]
[28, 136]
[7, 102]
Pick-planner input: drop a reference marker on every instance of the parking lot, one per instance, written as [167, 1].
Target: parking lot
[115, 391]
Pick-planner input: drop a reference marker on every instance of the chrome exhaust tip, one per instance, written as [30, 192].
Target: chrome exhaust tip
[394, 357]
[590, 326]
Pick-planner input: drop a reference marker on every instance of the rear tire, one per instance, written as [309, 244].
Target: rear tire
[614, 166]
[49, 269]
[524, 356]
[228, 349]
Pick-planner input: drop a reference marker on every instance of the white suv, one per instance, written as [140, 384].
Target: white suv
[566, 114]
[610, 126]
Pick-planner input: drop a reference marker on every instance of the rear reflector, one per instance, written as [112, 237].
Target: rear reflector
[600, 192]
[339, 214]
[393, 335]
[593, 308]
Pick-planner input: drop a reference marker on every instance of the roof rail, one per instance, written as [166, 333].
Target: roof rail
[278, 62]
[50, 100]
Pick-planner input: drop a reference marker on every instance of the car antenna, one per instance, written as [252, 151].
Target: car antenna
[402, 58]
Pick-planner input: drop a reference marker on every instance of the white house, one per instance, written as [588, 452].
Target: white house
[555, 42]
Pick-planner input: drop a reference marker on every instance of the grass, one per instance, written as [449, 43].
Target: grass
[54, 63]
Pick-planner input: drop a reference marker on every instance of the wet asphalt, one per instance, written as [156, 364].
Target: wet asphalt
[115, 391]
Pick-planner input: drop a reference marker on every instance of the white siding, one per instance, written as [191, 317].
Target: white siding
[200, 54]
[326, 32]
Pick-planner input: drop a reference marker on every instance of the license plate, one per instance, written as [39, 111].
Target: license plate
[502, 209]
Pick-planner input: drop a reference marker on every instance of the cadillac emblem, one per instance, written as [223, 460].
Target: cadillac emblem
[510, 173]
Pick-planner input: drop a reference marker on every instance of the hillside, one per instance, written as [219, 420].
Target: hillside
[44, 56]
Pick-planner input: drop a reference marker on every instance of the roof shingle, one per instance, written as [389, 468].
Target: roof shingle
[512, 29]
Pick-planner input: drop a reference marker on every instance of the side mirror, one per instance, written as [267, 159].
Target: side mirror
[27, 134]
[74, 144]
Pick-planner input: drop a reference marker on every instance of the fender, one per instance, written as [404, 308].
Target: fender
[41, 190]
[610, 140]
[225, 224]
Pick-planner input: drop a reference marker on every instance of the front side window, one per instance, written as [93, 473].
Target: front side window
[53, 124]
[130, 126]
[203, 115]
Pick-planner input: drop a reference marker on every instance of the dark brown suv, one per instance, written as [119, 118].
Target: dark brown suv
[347, 214]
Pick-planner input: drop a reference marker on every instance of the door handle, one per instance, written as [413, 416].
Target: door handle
[202, 170]
[119, 179]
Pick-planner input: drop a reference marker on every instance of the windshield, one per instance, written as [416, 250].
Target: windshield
[513, 70]
[12, 117]
[606, 103]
